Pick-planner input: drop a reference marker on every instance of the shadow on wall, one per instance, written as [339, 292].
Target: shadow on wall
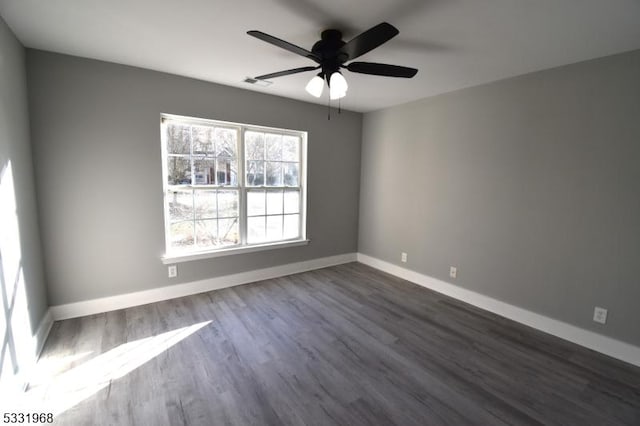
[18, 345]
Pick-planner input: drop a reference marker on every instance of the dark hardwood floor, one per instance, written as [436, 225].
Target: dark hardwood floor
[346, 345]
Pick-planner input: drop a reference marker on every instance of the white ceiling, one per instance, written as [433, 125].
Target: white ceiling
[454, 43]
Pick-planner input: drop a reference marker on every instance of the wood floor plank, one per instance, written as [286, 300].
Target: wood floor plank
[346, 345]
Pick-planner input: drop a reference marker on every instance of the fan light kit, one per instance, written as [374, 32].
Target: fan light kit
[337, 86]
[331, 54]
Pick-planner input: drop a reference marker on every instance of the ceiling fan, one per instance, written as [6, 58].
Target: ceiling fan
[331, 54]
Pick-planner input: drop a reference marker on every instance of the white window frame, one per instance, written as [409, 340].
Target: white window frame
[174, 256]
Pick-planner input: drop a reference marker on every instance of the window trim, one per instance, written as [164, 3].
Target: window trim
[228, 251]
[172, 256]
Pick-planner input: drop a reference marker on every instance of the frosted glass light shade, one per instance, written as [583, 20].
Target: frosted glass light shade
[338, 82]
[337, 86]
[315, 86]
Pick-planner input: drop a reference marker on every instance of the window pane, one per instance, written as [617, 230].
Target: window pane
[291, 201]
[206, 232]
[203, 140]
[254, 146]
[255, 173]
[273, 146]
[181, 234]
[291, 226]
[274, 174]
[290, 171]
[290, 146]
[228, 232]
[179, 171]
[204, 173]
[226, 142]
[205, 204]
[178, 139]
[228, 203]
[255, 203]
[255, 229]
[180, 205]
[274, 228]
[274, 202]
[223, 171]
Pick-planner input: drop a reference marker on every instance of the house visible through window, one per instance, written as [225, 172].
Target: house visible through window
[231, 185]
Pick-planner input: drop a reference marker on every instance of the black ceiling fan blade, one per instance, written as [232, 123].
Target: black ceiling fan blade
[382, 69]
[283, 44]
[286, 72]
[369, 40]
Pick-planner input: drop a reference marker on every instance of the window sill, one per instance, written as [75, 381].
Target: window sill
[187, 257]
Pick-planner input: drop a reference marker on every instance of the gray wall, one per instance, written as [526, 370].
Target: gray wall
[96, 137]
[19, 251]
[531, 186]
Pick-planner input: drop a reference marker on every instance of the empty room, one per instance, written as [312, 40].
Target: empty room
[305, 212]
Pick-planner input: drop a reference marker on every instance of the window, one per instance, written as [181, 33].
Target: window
[230, 186]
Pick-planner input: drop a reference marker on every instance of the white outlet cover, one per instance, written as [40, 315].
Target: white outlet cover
[173, 271]
[403, 257]
[600, 315]
[453, 272]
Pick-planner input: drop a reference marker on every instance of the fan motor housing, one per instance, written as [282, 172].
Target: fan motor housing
[328, 50]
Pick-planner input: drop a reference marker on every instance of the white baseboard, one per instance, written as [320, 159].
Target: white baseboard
[112, 303]
[597, 342]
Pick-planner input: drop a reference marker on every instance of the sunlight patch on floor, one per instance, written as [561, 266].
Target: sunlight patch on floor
[58, 392]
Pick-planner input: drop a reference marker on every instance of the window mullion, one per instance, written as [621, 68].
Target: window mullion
[242, 187]
[193, 192]
[302, 185]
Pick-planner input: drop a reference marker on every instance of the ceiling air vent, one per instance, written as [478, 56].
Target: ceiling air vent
[262, 83]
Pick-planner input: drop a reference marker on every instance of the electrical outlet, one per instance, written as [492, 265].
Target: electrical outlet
[173, 271]
[600, 315]
[403, 257]
[453, 272]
